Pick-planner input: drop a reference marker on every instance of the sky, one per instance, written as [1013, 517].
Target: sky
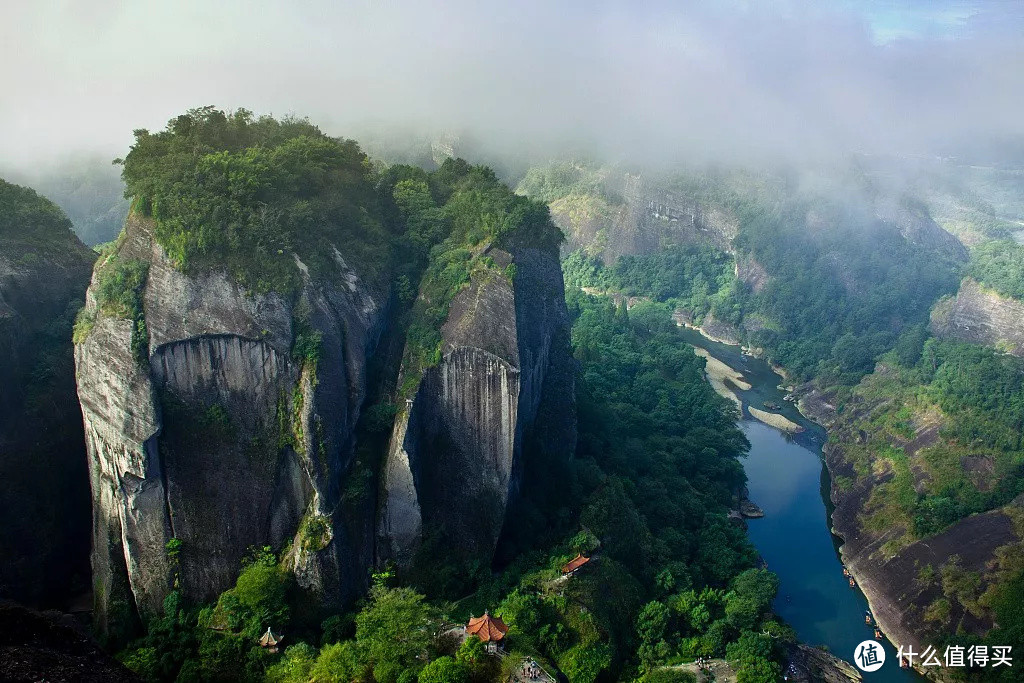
[658, 80]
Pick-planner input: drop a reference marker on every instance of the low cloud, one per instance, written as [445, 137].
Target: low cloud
[655, 82]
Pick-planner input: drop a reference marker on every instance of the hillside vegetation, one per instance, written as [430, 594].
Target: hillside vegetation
[245, 193]
[841, 284]
[88, 189]
[28, 221]
[944, 419]
[999, 265]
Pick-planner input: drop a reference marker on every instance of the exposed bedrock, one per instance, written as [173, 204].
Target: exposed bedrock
[981, 316]
[647, 219]
[456, 456]
[221, 437]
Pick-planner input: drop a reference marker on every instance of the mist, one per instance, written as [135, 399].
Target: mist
[654, 83]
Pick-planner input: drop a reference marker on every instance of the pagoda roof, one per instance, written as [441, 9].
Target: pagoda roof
[487, 628]
[575, 563]
[270, 639]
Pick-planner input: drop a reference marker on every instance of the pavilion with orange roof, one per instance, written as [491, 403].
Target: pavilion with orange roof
[490, 630]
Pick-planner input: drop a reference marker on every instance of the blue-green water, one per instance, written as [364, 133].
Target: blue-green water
[788, 480]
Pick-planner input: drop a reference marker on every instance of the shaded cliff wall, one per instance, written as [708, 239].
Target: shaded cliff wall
[220, 436]
[981, 316]
[44, 494]
[455, 459]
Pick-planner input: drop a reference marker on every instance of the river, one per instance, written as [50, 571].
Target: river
[787, 478]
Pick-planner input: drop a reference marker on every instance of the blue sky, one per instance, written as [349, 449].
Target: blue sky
[892, 20]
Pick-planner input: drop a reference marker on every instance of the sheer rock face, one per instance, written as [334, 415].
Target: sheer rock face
[892, 582]
[220, 437]
[44, 495]
[456, 455]
[981, 316]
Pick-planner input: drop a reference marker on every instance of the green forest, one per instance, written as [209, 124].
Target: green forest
[999, 265]
[87, 188]
[698, 279]
[246, 193]
[979, 393]
[836, 297]
[655, 471]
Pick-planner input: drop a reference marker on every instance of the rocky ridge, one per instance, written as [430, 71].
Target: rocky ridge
[898, 583]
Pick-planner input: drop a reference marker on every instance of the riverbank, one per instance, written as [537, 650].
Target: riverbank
[775, 420]
[884, 590]
[720, 376]
[906, 578]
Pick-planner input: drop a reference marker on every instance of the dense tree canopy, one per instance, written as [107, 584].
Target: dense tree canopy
[245, 193]
[1000, 266]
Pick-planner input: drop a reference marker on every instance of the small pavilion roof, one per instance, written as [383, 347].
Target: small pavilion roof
[270, 639]
[487, 628]
[575, 563]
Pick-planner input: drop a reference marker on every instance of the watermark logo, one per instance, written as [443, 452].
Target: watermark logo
[975, 656]
[869, 656]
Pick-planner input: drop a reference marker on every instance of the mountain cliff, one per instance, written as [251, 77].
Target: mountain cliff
[455, 458]
[222, 435]
[229, 348]
[44, 271]
[980, 315]
[611, 214]
[924, 456]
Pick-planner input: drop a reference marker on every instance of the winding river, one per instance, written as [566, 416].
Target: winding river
[788, 480]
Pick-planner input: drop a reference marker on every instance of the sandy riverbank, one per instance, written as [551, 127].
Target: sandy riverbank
[775, 420]
[721, 376]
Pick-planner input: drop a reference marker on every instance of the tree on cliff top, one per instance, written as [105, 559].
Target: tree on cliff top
[229, 190]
